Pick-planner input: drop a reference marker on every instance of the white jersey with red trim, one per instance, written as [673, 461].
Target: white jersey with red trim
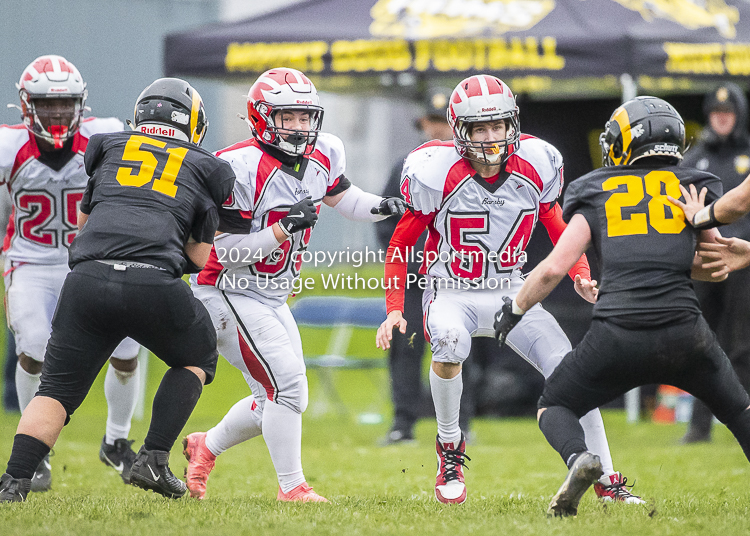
[43, 222]
[480, 230]
[265, 190]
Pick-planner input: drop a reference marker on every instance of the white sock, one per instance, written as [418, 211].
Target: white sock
[121, 391]
[242, 422]
[446, 395]
[282, 431]
[596, 439]
[27, 385]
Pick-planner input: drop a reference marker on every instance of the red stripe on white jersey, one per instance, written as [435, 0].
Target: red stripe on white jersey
[458, 172]
[211, 271]
[267, 165]
[11, 230]
[434, 143]
[252, 142]
[322, 159]
[525, 168]
[256, 368]
[27, 152]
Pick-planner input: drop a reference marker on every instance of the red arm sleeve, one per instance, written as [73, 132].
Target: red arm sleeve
[553, 222]
[407, 232]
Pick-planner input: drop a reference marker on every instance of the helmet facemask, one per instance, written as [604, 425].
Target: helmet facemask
[53, 119]
[491, 153]
[267, 123]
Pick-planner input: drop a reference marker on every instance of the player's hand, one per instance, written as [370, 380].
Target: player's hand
[725, 255]
[385, 331]
[392, 206]
[302, 215]
[693, 201]
[505, 320]
[586, 289]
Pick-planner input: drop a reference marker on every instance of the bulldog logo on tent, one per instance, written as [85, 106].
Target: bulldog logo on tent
[418, 19]
[691, 14]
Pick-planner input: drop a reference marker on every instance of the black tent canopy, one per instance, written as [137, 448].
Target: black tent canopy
[551, 38]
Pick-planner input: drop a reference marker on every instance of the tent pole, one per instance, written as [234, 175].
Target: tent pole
[632, 397]
[629, 87]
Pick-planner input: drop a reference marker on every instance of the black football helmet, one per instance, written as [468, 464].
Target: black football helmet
[644, 126]
[172, 108]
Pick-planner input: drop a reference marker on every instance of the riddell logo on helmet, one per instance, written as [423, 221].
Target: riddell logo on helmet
[304, 101]
[157, 130]
[489, 109]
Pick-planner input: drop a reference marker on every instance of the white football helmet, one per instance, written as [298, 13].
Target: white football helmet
[52, 77]
[477, 99]
[282, 89]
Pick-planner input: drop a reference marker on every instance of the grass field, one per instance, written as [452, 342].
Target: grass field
[376, 490]
[380, 490]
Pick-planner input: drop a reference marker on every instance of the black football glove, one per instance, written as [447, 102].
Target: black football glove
[301, 216]
[392, 206]
[505, 320]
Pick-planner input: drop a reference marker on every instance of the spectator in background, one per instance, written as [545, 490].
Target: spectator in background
[10, 395]
[405, 358]
[724, 150]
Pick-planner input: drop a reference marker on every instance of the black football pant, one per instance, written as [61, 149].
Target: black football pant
[99, 306]
[611, 360]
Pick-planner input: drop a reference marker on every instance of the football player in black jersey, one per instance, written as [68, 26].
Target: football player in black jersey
[647, 326]
[148, 215]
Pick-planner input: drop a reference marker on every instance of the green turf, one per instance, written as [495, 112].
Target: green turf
[375, 490]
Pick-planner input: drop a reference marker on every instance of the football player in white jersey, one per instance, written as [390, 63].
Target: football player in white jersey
[480, 198]
[41, 162]
[284, 172]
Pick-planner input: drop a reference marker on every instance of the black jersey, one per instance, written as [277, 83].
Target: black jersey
[146, 197]
[644, 245]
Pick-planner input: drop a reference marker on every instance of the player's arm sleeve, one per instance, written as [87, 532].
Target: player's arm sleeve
[356, 204]
[714, 188]
[409, 229]
[246, 249]
[340, 184]
[551, 217]
[205, 226]
[93, 155]
[85, 205]
[220, 182]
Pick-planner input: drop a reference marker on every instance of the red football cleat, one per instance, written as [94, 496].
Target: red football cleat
[302, 493]
[201, 464]
[449, 483]
[613, 488]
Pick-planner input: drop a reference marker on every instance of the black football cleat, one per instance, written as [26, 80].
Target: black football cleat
[42, 479]
[119, 457]
[151, 471]
[582, 474]
[14, 489]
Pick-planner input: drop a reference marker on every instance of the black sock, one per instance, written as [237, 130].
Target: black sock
[28, 452]
[740, 427]
[178, 394]
[564, 432]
